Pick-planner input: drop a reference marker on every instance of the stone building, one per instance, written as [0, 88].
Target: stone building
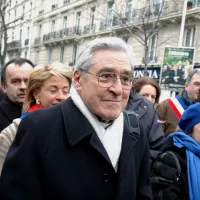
[54, 30]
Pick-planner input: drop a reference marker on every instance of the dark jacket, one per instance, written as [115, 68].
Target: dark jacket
[166, 168]
[1, 94]
[8, 112]
[57, 155]
[148, 120]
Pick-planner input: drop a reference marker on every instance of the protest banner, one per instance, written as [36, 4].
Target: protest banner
[177, 64]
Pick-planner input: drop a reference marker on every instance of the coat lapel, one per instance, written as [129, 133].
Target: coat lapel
[78, 128]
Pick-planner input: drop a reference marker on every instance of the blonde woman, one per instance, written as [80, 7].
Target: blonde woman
[48, 85]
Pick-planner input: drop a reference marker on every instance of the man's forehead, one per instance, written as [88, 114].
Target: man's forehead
[16, 70]
[196, 77]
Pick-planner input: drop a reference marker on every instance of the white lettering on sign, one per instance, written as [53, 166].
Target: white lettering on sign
[140, 73]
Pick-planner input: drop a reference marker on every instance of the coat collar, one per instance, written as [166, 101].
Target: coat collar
[78, 128]
[137, 103]
[10, 109]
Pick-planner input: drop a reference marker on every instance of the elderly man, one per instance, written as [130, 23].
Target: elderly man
[14, 77]
[86, 147]
[170, 110]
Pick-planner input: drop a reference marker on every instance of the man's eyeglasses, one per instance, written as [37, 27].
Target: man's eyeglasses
[108, 79]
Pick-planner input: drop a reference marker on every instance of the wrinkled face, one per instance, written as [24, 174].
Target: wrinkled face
[149, 92]
[193, 87]
[54, 90]
[106, 103]
[196, 132]
[16, 81]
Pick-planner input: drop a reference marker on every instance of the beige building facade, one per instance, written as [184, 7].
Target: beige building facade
[55, 30]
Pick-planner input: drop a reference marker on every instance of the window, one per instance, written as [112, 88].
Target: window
[74, 54]
[128, 9]
[49, 55]
[62, 50]
[15, 13]
[40, 30]
[25, 54]
[110, 13]
[92, 13]
[189, 36]
[78, 18]
[53, 25]
[152, 47]
[23, 9]
[64, 22]
[13, 37]
[20, 34]
[28, 31]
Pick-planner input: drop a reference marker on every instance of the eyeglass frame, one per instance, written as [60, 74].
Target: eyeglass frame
[98, 76]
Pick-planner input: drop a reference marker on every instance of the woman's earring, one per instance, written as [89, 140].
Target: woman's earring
[38, 101]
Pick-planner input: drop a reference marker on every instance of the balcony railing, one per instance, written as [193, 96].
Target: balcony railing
[62, 34]
[16, 44]
[89, 29]
[26, 42]
[145, 14]
[37, 41]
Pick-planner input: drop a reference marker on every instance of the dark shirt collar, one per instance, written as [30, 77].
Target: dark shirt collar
[10, 109]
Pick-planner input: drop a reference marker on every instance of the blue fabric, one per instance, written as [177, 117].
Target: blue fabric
[193, 161]
[187, 100]
[24, 114]
[178, 97]
[190, 117]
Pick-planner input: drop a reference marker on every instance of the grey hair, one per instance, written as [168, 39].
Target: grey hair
[191, 74]
[85, 58]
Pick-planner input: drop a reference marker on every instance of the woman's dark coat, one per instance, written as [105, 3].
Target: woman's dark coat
[148, 120]
[57, 155]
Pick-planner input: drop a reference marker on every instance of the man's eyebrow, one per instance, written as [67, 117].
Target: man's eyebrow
[111, 69]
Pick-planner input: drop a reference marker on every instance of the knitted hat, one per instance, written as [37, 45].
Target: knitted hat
[190, 117]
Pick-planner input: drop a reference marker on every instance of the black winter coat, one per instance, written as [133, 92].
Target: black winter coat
[57, 155]
[149, 121]
[8, 112]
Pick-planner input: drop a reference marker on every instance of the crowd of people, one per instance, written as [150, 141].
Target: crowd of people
[177, 73]
[92, 132]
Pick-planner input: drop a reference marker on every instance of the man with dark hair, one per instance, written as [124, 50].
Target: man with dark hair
[170, 110]
[14, 77]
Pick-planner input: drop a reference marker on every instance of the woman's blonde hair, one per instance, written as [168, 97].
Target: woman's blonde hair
[40, 75]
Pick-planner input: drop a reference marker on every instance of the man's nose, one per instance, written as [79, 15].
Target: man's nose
[117, 87]
[23, 85]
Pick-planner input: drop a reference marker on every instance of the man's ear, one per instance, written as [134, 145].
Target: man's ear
[186, 86]
[77, 80]
[3, 87]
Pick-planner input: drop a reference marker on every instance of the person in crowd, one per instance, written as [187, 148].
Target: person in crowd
[186, 147]
[145, 111]
[165, 74]
[148, 88]
[171, 109]
[14, 78]
[1, 94]
[84, 147]
[48, 85]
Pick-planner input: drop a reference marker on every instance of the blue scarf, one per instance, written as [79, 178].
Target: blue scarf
[187, 100]
[193, 161]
